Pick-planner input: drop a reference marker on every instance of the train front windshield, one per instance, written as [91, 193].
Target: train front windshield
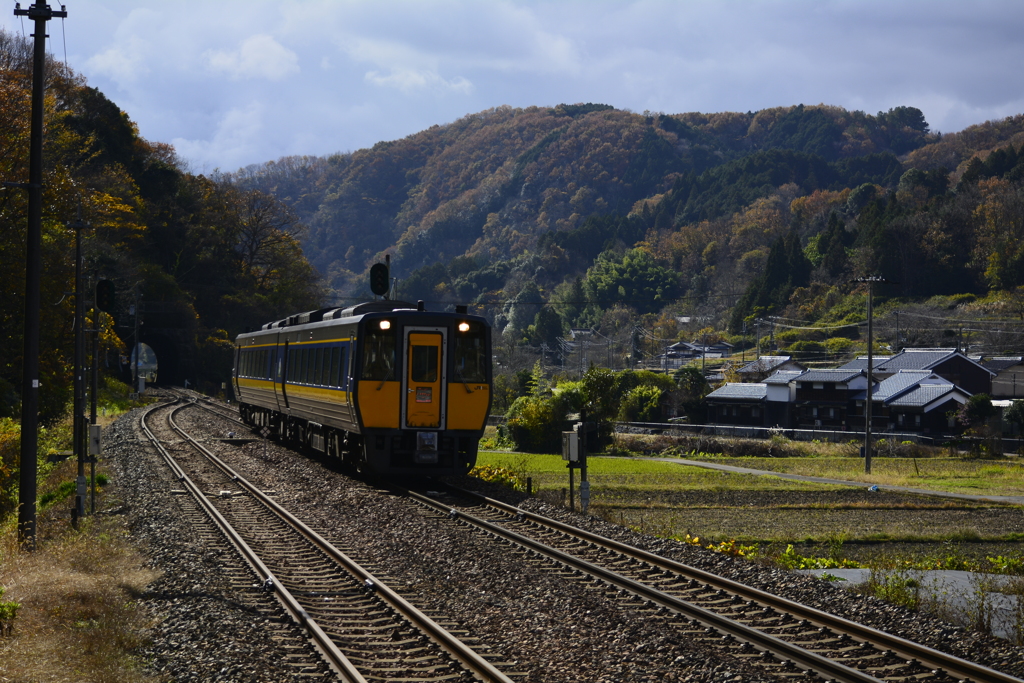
[379, 352]
[471, 352]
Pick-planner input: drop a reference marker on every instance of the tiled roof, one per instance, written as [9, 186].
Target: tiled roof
[750, 391]
[901, 381]
[765, 363]
[1002, 363]
[861, 363]
[828, 375]
[916, 359]
[923, 395]
[783, 376]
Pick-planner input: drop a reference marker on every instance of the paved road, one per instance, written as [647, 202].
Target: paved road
[1014, 500]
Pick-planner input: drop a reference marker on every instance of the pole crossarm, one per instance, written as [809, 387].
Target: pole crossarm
[38, 11]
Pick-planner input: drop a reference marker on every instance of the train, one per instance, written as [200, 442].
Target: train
[385, 386]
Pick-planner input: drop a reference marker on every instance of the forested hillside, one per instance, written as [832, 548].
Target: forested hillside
[645, 227]
[198, 259]
[587, 216]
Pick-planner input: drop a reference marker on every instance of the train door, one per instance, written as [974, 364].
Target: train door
[281, 376]
[424, 378]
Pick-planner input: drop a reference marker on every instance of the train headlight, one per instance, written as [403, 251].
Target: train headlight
[463, 327]
[385, 324]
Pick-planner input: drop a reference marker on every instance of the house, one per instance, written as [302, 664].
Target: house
[1008, 382]
[737, 403]
[781, 396]
[911, 401]
[758, 370]
[950, 364]
[823, 398]
[927, 408]
[679, 354]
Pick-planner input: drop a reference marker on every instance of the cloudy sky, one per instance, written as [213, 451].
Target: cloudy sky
[232, 83]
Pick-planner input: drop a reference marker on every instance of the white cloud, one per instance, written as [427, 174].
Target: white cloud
[412, 80]
[181, 73]
[259, 56]
[229, 146]
[124, 64]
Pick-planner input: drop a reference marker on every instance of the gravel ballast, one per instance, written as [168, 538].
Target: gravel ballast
[550, 628]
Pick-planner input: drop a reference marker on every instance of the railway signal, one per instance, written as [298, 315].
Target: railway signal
[380, 279]
[105, 295]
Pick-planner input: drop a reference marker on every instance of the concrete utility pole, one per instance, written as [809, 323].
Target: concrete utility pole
[41, 13]
[79, 410]
[867, 405]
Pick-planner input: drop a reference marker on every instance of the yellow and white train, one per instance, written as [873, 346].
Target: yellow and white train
[384, 385]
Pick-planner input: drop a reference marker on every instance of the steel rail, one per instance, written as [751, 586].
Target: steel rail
[468, 657]
[929, 657]
[335, 658]
[785, 651]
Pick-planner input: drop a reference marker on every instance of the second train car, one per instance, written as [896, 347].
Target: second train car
[386, 386]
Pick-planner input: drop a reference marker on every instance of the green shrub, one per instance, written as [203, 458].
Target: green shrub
[534, 424]
[838, 345]
[8, 611]
[498, 475]
[641, 404]
[806, 347]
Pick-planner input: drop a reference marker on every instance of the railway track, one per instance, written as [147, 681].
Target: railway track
[363, 629]
[783, 638]
[786, 638]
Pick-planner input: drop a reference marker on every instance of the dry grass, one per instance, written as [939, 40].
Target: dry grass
[78, 593]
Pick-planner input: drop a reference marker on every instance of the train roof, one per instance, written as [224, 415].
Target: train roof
[336, 313]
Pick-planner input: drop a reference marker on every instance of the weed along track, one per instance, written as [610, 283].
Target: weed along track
[783, 636]
[364, 629]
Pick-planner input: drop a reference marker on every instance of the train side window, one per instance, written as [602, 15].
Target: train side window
[318, 365]
[264, 362]
[471, 354]
[325, 374]
[332, 368]
[303, 356]
[337, 365]
[378, 354]
[293, 362]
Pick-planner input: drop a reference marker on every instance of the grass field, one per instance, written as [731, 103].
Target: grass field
[952, 475]
[673, 500]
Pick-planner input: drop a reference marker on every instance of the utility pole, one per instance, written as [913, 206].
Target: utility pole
[40, 13]
[94, 397]
[867, 405]
[896, 343]
[79, 410]
[757, 340]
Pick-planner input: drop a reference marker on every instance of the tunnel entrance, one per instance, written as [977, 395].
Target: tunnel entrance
[165, 358]
[146, 366]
